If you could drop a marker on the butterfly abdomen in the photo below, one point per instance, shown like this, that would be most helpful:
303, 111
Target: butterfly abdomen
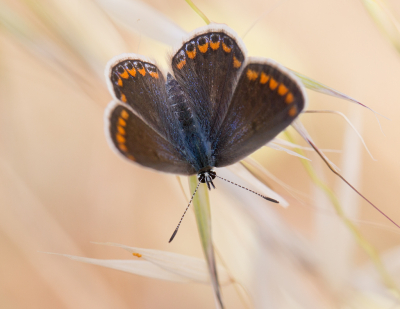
179, 107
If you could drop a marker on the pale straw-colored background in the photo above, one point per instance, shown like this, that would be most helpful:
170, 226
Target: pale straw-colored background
62, 187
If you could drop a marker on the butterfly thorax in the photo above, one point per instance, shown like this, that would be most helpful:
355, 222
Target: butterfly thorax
188, 135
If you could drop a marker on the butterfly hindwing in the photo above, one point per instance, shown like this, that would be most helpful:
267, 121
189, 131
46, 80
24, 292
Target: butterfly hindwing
207, 67
132, 138
267, 99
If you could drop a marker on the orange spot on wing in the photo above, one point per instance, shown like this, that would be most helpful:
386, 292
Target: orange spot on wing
120, 138
203, 48
226, 49
142, 71
122, 147
191, 54
264, 78
215, 45
120, 82
293, 111
124, 114
289, 98
123, 98
124, 74
154, 74
132, 72
121, 122
282, 89
251, 75
137, 254
236, 63
121, 130
273, 84
181, 64
130, 157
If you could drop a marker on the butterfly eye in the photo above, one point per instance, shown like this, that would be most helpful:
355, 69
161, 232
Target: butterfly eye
201, 178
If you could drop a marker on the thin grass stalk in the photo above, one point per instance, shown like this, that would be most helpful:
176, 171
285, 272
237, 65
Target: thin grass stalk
363, 243
201, 204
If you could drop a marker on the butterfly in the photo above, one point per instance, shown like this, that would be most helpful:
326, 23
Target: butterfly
215, 107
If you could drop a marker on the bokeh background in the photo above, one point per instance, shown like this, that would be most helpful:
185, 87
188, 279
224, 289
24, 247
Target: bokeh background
62, 187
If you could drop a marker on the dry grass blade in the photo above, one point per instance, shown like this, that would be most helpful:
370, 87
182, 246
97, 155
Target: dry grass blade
158, 264
366, 245
296, 146
385, 20
186, 266
141, 268
288, 151
144, 19
198, 11
319, 87
349, 123
300, 129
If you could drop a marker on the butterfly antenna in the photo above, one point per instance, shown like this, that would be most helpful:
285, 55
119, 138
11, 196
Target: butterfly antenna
264, 197
180, 221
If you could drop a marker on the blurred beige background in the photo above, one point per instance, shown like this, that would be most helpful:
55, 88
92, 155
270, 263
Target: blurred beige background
62, 187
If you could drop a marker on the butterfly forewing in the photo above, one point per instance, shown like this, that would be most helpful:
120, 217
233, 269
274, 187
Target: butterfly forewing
136, 141
141, 85
207, 67
267, 99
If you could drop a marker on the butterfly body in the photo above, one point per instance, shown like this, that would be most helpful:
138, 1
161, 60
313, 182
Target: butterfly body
215, 107
195, 144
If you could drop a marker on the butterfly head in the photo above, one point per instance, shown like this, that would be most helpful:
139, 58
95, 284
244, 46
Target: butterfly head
207, 177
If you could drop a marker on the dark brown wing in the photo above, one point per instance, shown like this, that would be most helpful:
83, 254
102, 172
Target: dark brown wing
267, 99
137, 82
130, 137
207, 67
